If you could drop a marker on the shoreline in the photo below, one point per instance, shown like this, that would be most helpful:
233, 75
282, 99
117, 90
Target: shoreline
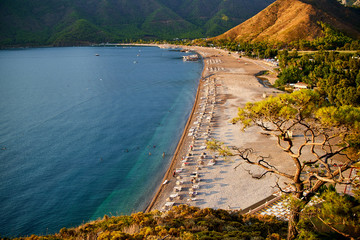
199, 177
181, 142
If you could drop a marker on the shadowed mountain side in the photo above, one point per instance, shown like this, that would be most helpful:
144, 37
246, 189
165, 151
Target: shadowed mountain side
289, 20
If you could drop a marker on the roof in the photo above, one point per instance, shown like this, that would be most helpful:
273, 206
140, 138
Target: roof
301, 85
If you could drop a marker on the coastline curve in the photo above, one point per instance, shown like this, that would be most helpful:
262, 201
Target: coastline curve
181, 142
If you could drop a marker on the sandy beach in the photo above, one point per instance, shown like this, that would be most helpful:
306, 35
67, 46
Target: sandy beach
199, 177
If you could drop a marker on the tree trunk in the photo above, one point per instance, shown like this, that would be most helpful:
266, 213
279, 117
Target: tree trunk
293, 221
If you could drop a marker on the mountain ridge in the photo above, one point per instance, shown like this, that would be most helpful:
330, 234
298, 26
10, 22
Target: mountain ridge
292, 20
41, 22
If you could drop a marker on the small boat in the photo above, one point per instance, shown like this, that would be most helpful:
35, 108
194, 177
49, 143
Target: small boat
97, 55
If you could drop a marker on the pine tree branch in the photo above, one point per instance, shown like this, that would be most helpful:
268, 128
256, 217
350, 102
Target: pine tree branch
335, 229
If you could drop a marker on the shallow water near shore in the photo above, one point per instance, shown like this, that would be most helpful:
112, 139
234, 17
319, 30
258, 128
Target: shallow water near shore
83, 135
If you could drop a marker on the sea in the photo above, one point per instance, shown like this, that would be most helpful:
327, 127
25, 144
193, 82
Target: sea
87, 131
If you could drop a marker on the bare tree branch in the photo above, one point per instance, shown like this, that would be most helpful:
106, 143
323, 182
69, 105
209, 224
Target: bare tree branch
280, 188
244, 154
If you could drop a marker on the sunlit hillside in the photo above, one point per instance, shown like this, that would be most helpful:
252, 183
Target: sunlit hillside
289, 20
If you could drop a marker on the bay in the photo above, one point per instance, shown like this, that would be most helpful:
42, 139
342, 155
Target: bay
83, 135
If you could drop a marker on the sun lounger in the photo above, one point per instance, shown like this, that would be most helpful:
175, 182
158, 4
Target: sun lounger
174, 195
191, 199
179, 182
169, 204
211, 162
194, 175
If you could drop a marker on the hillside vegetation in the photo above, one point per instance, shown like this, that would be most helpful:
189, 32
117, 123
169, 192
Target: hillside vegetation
335, 75
292, 20
76, 22
181, 222
190, 223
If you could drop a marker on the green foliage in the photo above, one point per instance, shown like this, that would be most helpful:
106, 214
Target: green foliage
330, 131
219, 147
291, 74
332, 39
335, 217
79, 33
356, 183
53, 22
256, 49
335, 75
310, 107
217, 23
281, 108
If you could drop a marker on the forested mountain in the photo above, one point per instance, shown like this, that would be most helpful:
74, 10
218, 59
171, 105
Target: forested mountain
293, 20
72, 22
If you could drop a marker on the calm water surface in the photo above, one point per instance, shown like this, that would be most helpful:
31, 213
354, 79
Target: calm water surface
76, 131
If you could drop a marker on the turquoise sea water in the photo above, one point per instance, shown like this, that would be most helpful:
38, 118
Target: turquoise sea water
76, 131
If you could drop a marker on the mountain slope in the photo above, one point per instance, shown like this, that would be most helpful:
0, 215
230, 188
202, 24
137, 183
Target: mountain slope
289, 20
46, 22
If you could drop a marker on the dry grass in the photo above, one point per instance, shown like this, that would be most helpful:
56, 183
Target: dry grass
132, 229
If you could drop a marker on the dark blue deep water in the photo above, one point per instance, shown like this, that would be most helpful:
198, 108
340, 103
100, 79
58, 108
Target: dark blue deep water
76, 131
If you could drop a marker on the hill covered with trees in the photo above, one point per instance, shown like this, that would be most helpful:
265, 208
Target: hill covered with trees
76, 22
